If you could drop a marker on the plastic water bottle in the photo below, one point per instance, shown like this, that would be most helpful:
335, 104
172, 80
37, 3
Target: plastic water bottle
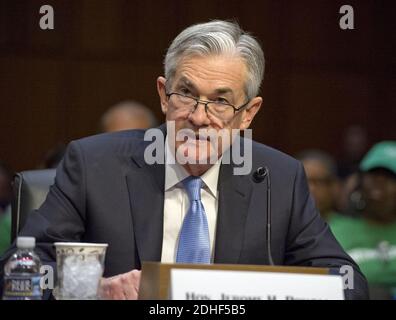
22, 272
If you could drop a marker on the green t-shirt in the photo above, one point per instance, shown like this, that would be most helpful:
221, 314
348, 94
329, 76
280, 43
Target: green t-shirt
5, 231
373, 247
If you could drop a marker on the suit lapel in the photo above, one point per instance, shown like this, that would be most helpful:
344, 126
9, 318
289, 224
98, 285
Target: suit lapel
234, 198
146, 195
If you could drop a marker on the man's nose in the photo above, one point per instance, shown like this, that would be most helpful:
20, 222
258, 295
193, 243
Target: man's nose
199, 117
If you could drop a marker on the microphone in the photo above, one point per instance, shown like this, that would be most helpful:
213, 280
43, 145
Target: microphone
258, 176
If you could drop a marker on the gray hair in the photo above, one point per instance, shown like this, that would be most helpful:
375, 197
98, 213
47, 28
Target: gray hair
218, 37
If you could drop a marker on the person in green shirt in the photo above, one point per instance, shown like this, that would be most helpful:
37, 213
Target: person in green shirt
6, 176
5, 230
370, 239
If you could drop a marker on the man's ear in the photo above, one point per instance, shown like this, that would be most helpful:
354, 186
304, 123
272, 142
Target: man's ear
161, 81
250, 112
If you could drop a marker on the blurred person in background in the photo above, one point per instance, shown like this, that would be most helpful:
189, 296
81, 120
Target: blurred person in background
321, 171
355, 145
349, 200
5, 187
127, 115
5, 206
370, 239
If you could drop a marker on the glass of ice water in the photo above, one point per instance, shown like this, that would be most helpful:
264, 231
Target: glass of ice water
80, 267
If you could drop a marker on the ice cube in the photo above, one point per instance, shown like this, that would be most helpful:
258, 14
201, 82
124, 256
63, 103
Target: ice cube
81, 276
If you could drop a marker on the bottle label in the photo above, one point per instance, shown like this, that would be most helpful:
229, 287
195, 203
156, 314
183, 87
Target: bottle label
22, 287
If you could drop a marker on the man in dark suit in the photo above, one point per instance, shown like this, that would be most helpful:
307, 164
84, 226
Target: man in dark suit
198, 211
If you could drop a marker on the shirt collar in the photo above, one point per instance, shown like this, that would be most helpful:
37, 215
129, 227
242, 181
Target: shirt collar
175, 173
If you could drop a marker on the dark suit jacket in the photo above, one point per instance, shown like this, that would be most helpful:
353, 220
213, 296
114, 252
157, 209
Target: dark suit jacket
105, 192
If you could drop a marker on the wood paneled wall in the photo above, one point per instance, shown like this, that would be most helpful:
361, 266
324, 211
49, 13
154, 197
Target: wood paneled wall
54, 85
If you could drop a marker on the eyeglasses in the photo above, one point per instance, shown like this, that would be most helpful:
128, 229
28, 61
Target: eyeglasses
221, 110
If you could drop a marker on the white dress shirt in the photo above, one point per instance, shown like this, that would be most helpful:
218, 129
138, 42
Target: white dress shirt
176, 204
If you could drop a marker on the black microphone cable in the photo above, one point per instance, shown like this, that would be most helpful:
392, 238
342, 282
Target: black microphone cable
259, 175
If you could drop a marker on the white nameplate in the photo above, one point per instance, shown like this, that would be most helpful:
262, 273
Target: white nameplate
187, 284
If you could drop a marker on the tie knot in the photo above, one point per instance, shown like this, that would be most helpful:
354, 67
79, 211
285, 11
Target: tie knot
193, 187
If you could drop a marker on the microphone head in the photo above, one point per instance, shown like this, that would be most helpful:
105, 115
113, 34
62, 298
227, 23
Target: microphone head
260, 174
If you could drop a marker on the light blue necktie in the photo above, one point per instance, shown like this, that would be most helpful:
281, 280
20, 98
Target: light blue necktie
194, 243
